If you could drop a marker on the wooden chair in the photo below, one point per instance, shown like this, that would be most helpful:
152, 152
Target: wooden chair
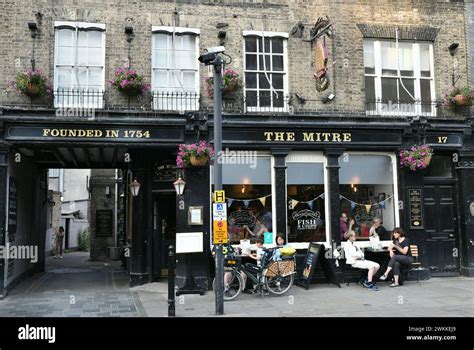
415, 265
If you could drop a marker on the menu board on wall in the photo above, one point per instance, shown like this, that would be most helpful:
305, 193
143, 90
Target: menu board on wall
416, 207
103, 222
12, 206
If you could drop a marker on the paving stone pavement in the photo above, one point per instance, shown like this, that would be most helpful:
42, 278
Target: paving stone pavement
74, 287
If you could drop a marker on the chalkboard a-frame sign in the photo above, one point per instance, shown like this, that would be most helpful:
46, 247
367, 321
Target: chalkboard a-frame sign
313, 255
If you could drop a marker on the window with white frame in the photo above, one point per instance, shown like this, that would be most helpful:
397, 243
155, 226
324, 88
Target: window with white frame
266, 80
175, 76
79, 61
399, 77
53, 172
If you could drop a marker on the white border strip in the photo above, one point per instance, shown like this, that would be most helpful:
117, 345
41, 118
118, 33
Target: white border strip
175, 29
269, 34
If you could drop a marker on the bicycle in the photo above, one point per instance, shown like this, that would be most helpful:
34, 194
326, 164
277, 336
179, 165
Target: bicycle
276, 277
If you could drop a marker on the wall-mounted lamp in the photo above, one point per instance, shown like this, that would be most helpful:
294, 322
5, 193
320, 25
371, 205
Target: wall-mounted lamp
452, 48
33, 27
135, 187
107, 191
129, 32
179, 186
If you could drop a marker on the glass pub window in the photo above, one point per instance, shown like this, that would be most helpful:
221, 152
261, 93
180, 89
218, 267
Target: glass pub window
305, 202
440, 166
367, 190
249, 203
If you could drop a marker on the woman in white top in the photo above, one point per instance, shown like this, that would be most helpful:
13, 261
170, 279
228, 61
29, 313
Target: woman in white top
355, 257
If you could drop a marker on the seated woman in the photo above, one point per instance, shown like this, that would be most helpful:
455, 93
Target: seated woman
355, 257
400, 254
258, 229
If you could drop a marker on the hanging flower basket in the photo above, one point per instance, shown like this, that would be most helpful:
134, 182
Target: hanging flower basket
230, 82
196, 154
31, 83
458, 97
416, 157
129, 82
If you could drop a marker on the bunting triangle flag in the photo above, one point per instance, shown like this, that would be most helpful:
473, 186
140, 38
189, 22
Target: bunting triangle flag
382, 204
321, 196
263, 200
230, 201
367, 207
246, 203
294, 203
310, 204
353, 205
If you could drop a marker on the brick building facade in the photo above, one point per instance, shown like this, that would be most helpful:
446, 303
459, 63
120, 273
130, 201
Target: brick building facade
380, 54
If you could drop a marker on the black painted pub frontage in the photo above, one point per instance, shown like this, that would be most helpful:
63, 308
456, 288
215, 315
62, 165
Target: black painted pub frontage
292, 174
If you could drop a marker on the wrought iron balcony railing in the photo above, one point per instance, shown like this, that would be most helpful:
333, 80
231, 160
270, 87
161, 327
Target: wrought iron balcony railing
175, 101
410, 108
79, 98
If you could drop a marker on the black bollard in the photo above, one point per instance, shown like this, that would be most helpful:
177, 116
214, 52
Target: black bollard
171, 273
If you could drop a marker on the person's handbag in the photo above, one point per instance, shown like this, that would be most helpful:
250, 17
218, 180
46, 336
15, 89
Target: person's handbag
287, 251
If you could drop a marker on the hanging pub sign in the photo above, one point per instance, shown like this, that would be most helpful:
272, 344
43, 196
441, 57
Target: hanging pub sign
415, 208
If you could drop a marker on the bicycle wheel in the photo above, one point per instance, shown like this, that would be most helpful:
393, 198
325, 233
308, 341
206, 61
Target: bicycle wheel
233, 289
279, 284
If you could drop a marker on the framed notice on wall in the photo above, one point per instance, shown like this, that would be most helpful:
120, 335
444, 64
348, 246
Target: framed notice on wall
415, 208
12, 205
104, 222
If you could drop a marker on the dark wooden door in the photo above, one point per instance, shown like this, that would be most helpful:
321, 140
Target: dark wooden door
440, 223
164, 230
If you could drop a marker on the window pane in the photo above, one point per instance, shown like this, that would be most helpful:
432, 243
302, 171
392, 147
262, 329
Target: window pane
94, 56
251, 80
95, 76
251, 44
277, 81
277, 63
425, 61
246, 184
161, 58
263, 82
64, 77
65, 55
189, 80
370, 93
189, 42
65, 37
277, 45
278, 99
389, 89
405, 57
389, 58
369, 61
251, 98
81, 78
251, 62
440, 166
264, 98
161, 41
267, 63
182, 59
161, 78
367, 180
267, 44
305, 207
426, 100
404, 95
94, 39
82, 38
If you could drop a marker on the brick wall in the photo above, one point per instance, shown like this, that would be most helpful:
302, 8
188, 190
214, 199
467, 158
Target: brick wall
347, 74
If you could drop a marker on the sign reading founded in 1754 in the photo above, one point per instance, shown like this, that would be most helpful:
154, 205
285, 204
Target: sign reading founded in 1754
415, 207
103, 222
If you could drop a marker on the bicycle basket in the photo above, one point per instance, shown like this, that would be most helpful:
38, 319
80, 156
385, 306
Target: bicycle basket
282, 268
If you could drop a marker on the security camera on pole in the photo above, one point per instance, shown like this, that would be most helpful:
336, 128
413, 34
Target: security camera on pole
213, 57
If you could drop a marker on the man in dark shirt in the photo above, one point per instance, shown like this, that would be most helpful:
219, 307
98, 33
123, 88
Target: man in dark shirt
379, 230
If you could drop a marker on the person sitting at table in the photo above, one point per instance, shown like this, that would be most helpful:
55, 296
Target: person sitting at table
355, 257
377, 230
258, 255
400, 254
258, 229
